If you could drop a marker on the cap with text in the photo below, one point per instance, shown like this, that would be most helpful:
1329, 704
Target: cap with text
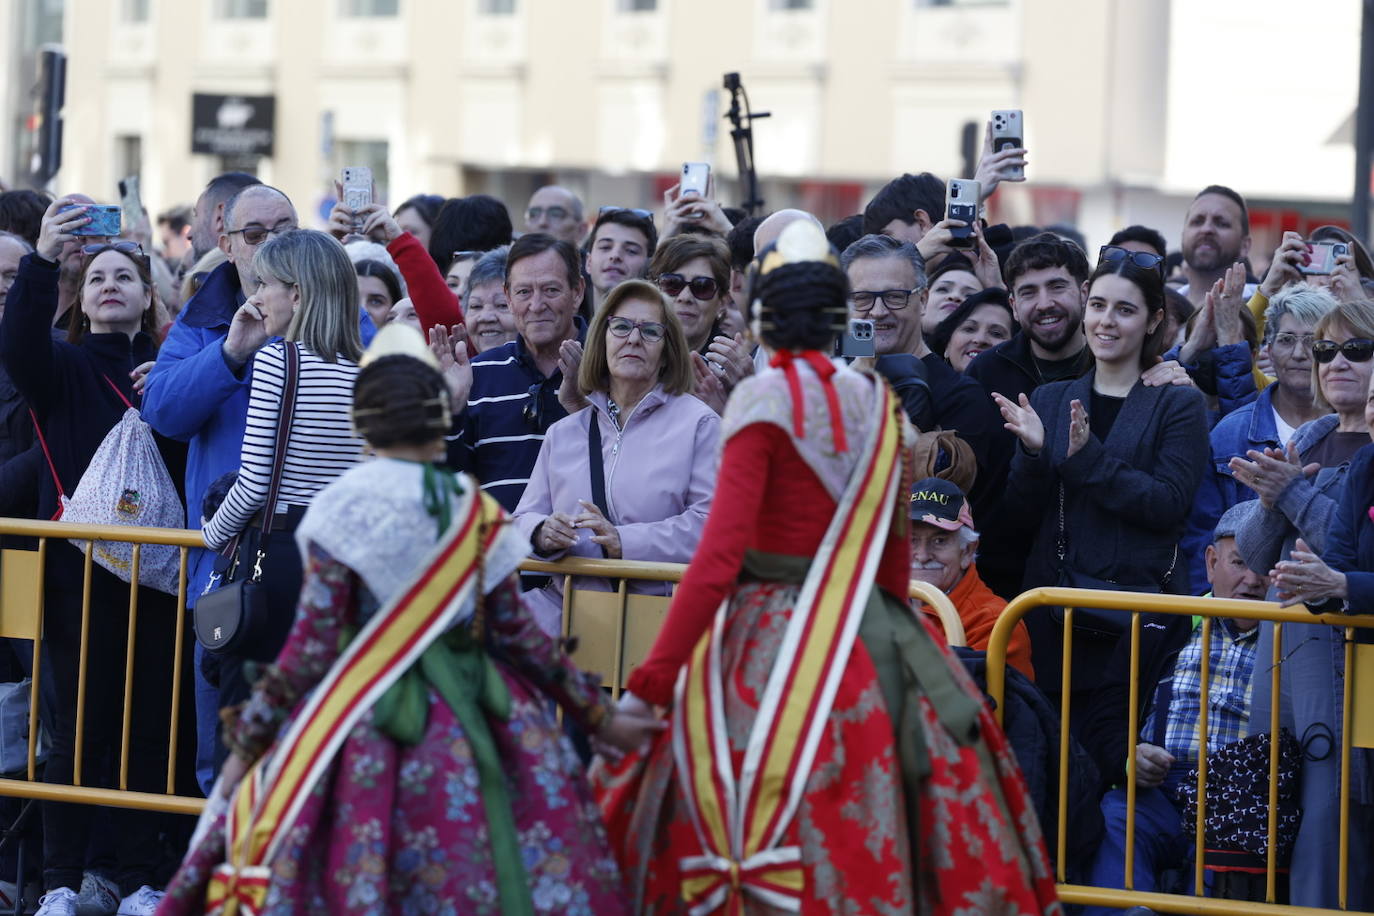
940, 503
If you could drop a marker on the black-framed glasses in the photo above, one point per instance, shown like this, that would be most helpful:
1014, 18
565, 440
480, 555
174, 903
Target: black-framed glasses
894, 300
553, 213
703, 288
256, 235
534, 407
634, 211
650, 331
1113, 253
1356, 350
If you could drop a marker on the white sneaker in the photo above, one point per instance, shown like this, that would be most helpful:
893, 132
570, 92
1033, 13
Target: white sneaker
142, 902
99, 896
61, 902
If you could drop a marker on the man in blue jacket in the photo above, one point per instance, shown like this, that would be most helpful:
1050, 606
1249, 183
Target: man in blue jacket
198, 392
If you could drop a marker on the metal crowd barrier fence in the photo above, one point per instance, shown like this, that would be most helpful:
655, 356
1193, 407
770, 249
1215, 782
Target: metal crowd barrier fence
615, 631
1207, 609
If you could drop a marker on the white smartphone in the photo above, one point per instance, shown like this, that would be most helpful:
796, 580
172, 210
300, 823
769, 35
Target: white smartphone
357, 187
1008, 132
695, 177
962, 196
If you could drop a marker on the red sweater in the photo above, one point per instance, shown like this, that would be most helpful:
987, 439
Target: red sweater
434, 302
768, 499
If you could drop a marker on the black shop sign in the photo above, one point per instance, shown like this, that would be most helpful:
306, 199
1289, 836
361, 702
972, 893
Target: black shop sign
233, 125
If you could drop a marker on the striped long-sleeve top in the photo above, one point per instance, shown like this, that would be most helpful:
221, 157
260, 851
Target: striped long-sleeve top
321, 444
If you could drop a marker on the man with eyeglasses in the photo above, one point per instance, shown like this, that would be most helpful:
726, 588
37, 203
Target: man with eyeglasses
1270, 420
556, 211
620, 247
512, 390
887, 282
198, 391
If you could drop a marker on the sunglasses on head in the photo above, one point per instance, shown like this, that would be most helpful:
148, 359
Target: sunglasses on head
635, 211
703, 288
1113, 253
1355, 350
123, 246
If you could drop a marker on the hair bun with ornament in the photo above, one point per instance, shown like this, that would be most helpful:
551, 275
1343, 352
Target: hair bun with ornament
798, 291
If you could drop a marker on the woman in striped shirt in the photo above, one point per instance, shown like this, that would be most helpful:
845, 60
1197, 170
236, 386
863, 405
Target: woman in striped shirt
308, 295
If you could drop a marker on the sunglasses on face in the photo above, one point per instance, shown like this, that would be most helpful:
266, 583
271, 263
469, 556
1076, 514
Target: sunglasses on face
649, 331
1113, 253
1355, 350
703, 288
256, 235
533, 214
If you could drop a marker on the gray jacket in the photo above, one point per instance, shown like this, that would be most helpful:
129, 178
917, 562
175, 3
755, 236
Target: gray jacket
1304, 509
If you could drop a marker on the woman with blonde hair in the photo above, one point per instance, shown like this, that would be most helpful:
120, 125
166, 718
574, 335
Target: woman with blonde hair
604, 483
307, 295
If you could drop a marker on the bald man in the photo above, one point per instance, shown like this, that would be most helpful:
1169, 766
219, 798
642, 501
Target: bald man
557, 212
768, 231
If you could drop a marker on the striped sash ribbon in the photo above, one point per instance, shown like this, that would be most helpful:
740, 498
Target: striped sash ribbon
741, 819
275, 789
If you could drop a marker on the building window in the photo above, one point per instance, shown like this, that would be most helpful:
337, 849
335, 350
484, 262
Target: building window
133, 11
496, 7
241, 9
369, 9
128, 158
791, 5
637, 6
369, 153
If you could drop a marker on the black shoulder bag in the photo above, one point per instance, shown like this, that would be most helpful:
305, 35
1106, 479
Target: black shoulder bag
1097, 623
232, 616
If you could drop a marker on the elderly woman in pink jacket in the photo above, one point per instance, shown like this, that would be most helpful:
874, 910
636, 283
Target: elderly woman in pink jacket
630, 476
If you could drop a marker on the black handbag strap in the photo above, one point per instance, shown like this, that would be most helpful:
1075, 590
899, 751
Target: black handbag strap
1062, 544
284, 417
596, 463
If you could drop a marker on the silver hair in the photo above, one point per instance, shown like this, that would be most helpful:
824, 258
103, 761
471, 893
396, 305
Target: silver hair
23, 242
967, 536
490, 268
1305, 302
364, 250
885, 246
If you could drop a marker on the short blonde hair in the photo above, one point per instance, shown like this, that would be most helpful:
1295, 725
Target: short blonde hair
675, 365
316, 264
1357, 318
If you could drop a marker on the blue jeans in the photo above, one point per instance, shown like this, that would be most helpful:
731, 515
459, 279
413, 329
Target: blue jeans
1160, 843
207, 725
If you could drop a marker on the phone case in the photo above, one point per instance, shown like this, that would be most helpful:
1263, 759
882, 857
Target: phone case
1008, 132
695, 176
961, 203
104, 221
357, 188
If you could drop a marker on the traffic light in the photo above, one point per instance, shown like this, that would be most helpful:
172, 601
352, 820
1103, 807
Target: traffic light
49, 95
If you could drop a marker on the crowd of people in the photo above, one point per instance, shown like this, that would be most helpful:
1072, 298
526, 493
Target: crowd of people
618, 383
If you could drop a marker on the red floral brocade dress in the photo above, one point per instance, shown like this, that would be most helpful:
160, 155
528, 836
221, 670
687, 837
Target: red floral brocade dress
914, 803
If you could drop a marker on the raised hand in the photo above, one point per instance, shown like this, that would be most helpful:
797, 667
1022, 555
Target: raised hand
569, 362
994, 168
57, 229
247, 335
1286, 265
1269, 472
450, 348
1023, 422
1226, 299
1079, 430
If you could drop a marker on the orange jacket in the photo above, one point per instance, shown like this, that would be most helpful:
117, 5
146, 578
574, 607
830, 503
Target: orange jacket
979, 609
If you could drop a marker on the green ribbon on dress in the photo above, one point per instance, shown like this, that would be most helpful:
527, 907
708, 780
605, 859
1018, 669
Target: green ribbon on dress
463, 674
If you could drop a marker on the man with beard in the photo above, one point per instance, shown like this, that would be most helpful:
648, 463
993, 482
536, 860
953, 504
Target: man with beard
1216, 234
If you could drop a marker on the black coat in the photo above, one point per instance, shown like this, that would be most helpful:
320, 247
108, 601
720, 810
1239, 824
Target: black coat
1126, 500
71, 387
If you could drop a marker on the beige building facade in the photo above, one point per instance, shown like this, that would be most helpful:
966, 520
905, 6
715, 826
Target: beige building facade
1130, 105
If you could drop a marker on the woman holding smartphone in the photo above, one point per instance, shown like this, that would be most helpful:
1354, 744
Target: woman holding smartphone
1107, 467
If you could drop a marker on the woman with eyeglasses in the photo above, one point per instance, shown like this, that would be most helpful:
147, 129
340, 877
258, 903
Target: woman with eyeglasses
1300, 489
79, 388
1107, 467
630, 476
693, 271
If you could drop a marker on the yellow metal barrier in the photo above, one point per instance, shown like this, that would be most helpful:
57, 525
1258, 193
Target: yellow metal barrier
1207, 608
631, 620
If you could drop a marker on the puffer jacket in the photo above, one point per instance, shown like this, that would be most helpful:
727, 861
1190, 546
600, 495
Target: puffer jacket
660, 469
